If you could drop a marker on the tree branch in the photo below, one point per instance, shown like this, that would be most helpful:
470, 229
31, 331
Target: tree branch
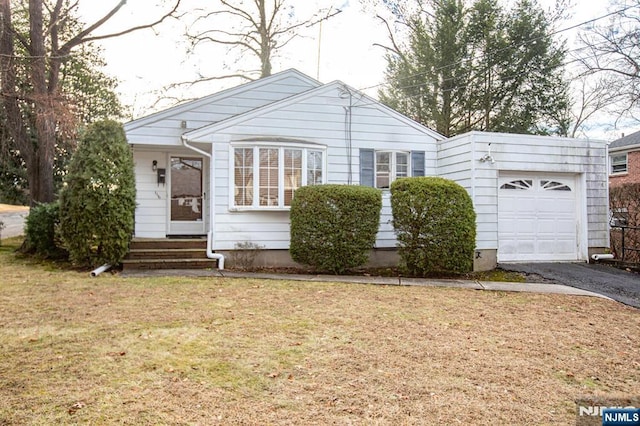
82, 37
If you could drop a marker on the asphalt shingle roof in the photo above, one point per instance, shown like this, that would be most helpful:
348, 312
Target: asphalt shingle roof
629, 140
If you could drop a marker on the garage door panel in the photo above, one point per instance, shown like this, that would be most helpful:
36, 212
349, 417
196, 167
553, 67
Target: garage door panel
526, 246
557, 207
556, 246
537, 220
525, 226
549, 226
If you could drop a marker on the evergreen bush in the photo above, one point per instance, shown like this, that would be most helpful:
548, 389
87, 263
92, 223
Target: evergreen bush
435, 225
97, 202
333, 227
41, 236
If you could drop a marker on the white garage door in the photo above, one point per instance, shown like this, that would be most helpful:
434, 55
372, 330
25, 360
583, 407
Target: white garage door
537, 217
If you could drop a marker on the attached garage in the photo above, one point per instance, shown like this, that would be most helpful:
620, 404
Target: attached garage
537, 198
538, 217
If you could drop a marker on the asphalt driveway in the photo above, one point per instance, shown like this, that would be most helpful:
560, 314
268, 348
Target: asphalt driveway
618, 284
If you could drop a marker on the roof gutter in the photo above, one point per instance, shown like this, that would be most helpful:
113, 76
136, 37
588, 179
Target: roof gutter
634, 147
210, 254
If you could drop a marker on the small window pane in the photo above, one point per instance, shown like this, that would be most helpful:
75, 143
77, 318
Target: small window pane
550, 185
314, 168
243, 176
383, 169
268, 187
402, 164
292, 173
518, 184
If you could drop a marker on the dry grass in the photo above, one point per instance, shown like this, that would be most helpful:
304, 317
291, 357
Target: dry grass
112, 350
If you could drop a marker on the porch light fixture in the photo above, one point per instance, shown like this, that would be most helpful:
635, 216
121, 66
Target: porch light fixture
154, 165
488, 157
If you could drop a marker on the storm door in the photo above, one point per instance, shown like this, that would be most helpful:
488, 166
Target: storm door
186, 211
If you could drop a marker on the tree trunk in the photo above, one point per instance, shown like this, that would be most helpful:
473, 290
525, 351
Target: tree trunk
265, 42
43, 101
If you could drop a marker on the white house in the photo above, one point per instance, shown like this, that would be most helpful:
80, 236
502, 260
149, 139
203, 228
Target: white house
227, 165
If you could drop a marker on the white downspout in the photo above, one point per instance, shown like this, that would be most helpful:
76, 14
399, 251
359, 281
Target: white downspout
100, 270
210, 254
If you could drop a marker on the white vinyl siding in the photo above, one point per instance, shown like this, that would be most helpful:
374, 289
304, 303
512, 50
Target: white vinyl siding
316, 123
166, 127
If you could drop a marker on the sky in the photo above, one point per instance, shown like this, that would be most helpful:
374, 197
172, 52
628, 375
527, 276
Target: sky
344, 49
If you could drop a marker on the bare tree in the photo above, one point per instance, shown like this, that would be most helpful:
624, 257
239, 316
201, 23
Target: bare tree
611, 52
258, 28
36, 113
591, 95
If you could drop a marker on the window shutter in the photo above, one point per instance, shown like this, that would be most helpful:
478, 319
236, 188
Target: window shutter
367, 173
417, 163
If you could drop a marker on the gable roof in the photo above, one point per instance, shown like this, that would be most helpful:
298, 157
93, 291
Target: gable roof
317, 91
626, 142
219, 96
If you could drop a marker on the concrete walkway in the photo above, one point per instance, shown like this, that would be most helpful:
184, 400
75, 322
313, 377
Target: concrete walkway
398, 281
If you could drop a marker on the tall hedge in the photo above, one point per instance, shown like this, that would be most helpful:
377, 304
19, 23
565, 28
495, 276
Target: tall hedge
435, 224
333, 227
97, 202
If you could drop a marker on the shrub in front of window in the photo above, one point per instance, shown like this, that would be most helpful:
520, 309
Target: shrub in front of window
41, 231
333, 227
435, 225
98, 200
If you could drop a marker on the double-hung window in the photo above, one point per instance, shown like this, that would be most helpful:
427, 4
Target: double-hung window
380, 168
266, 177
619, 163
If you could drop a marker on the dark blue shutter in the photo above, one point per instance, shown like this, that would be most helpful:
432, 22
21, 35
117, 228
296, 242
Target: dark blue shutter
367, 173
417, 163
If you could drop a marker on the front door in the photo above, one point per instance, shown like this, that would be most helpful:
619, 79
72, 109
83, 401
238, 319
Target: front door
186, 211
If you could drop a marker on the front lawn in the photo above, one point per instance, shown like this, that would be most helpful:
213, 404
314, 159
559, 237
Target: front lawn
114, 350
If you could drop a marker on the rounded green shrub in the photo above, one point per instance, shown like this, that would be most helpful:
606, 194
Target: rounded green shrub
41, 226
333, 227
435, 225
97, 202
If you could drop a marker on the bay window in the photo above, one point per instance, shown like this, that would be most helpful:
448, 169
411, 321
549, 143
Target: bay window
274, 174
